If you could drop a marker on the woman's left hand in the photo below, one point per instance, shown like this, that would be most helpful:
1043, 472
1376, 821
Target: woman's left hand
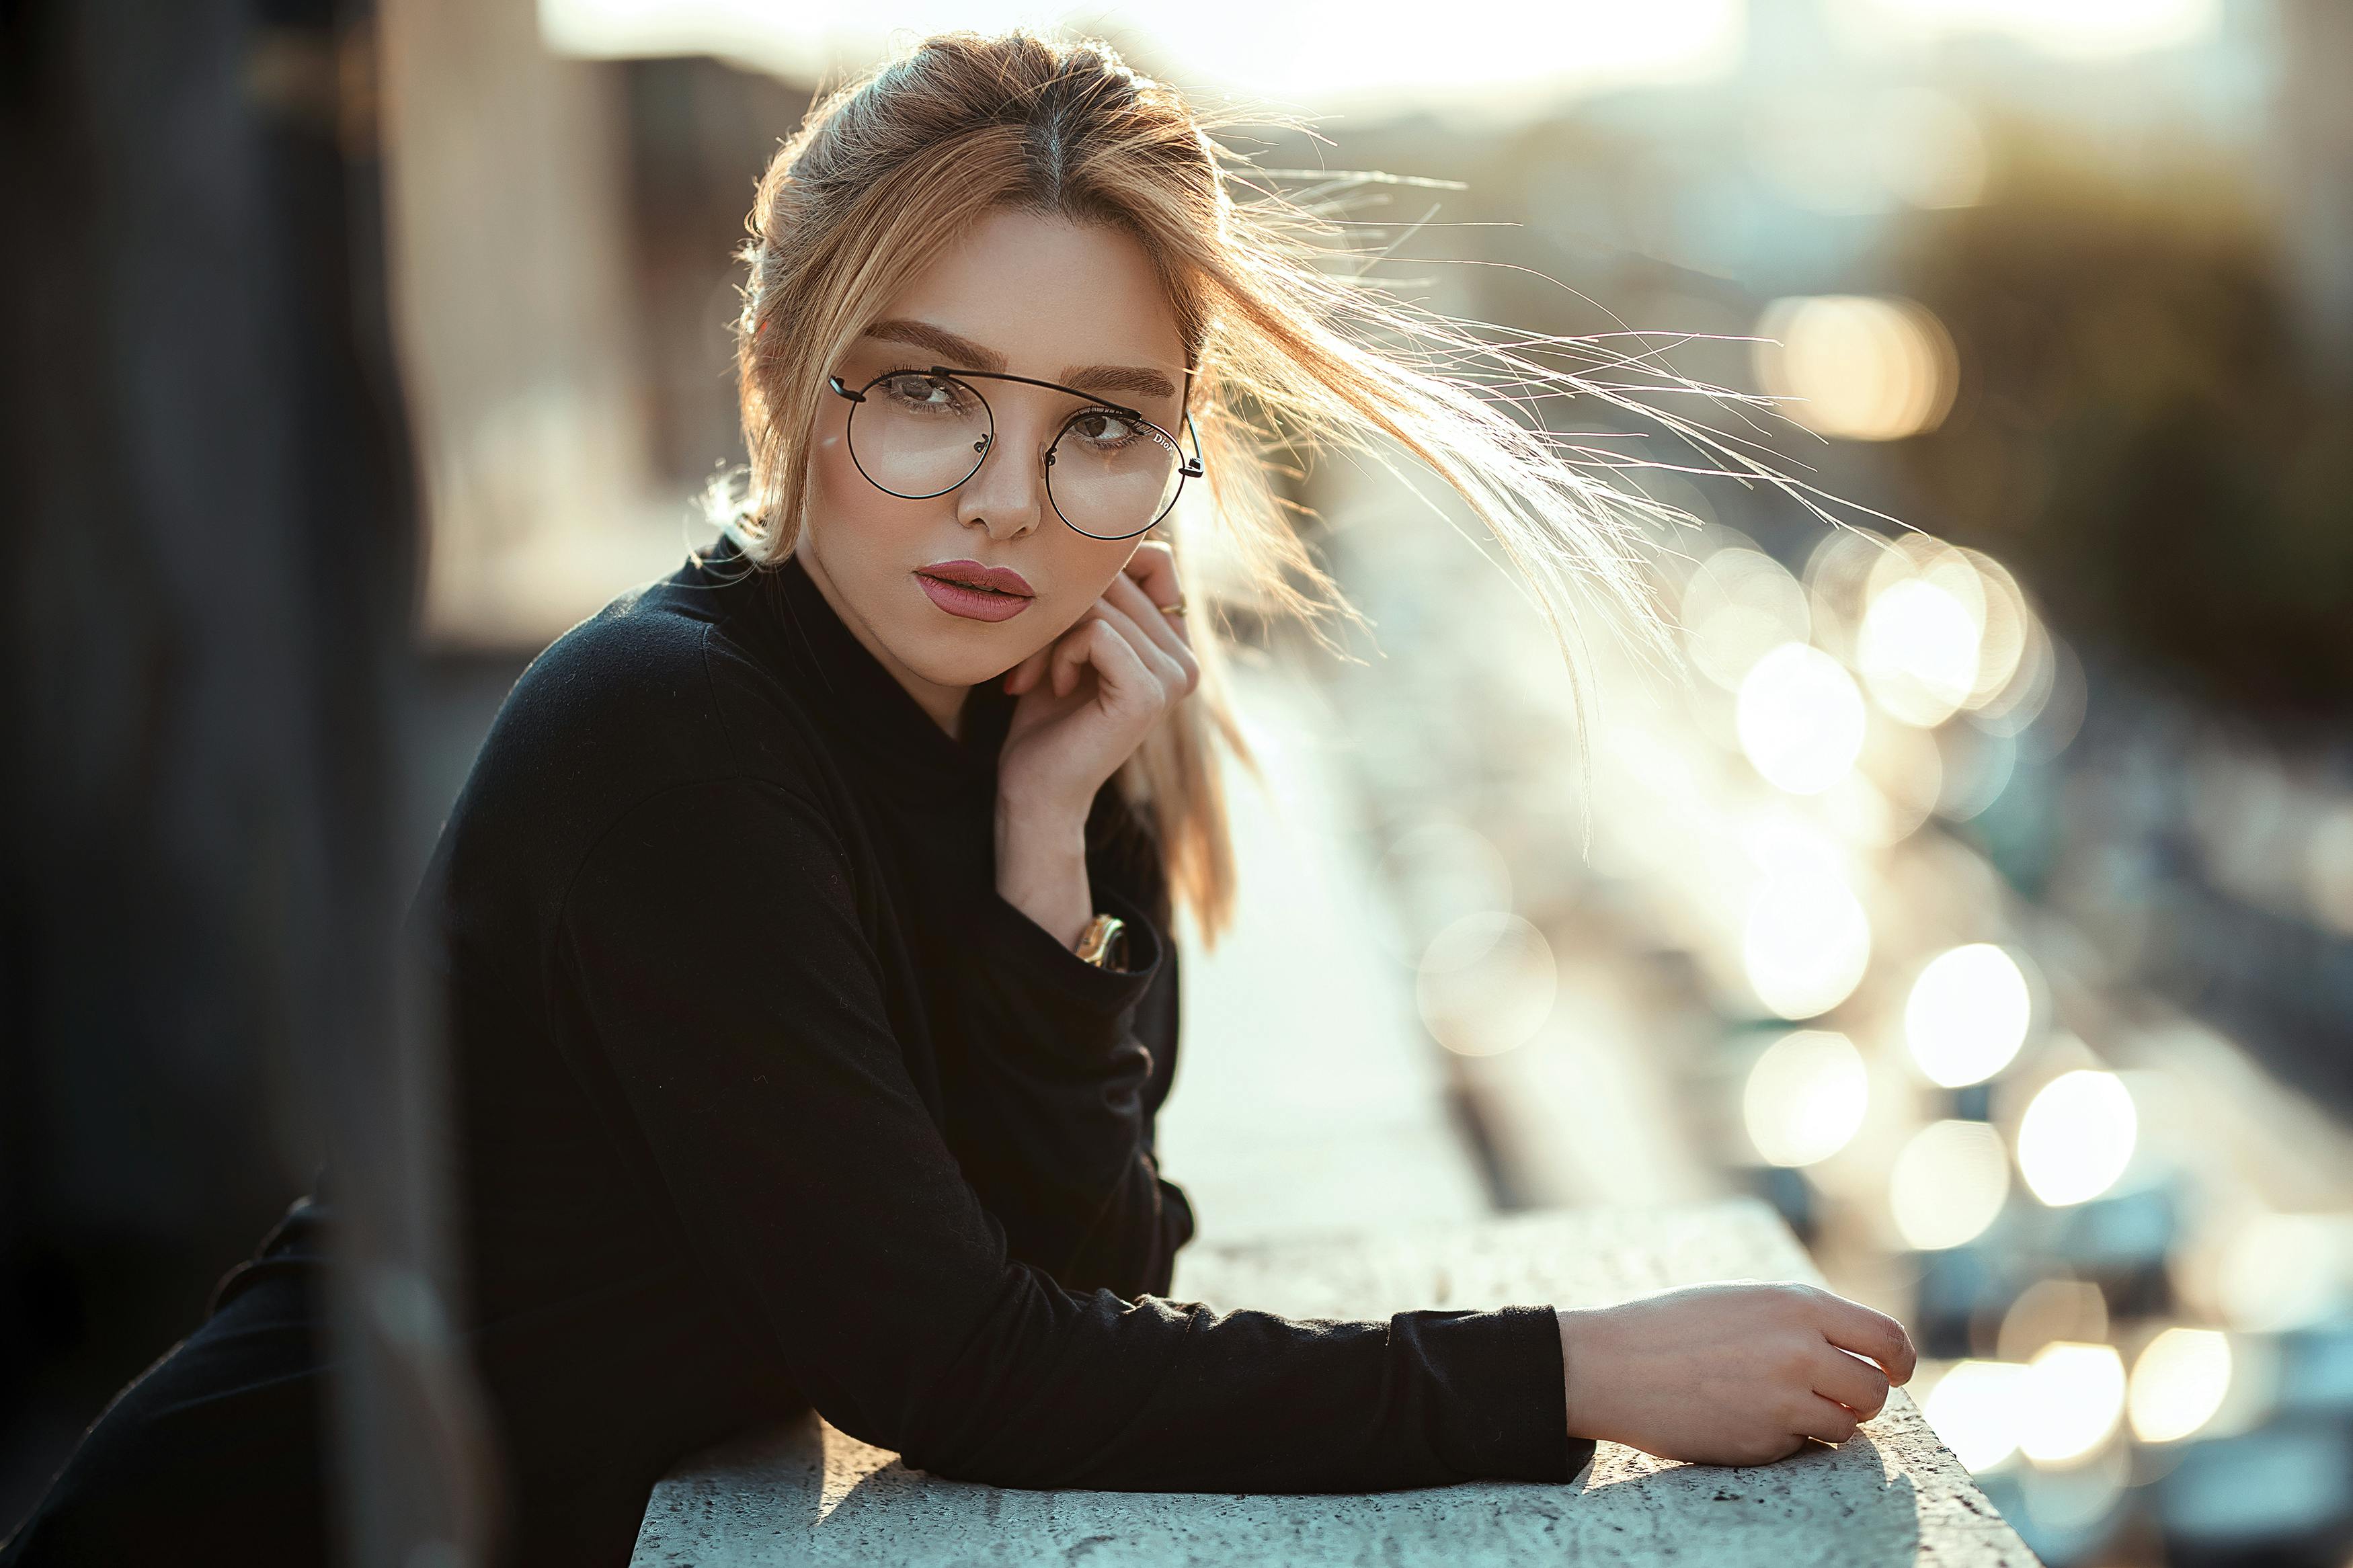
1090, 697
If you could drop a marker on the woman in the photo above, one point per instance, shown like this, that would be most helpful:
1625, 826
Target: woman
805, 919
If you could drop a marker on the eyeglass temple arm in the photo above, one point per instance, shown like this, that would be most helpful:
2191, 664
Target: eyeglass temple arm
1189, 466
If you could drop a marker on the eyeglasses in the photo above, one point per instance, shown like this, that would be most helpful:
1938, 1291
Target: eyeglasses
1110, 473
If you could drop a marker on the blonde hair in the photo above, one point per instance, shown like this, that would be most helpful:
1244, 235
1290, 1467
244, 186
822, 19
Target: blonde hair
888, 169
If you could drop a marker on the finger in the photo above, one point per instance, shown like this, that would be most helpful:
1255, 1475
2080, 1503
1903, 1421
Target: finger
1075, 651
1068, 655
1824, 1418
1175, 668
1014, 678
1154, 661
1153, 568
1167, 631
1854, 1383
1851, 1325
1025, 675
1118, 666
1138, 598
1148, 651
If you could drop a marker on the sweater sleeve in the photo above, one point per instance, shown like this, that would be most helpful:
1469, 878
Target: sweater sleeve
1059, 1144
713, 952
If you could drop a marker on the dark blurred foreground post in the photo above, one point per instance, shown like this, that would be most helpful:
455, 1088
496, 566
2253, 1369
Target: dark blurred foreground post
210, 537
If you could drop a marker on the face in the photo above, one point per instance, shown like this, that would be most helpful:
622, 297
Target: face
1032, 296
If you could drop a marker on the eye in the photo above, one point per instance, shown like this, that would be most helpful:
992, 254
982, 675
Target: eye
917, 391
1104, 429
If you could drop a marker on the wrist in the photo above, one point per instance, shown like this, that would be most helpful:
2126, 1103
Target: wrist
1041, 870
1581, 1363
1040, 813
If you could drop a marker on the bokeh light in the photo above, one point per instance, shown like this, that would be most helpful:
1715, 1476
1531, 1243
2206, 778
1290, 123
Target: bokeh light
1974, 1408
1806, 946
2178, 1382
2282, 1271
1864, 368
1738, 605
1800, 719
1968, 1014
1486, 984
2058, 1308
2076, 1137
1806, 1097
2005, 626
1947, 1184
2031, 684
1919, 650
1442, 870
2070, 1401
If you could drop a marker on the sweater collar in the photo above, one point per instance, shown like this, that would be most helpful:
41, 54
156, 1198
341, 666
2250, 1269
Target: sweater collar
884, 731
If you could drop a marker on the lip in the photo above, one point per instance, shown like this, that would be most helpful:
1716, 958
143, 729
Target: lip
977, 603
963, 571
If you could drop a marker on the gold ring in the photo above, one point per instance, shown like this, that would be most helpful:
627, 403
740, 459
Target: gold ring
1175, 609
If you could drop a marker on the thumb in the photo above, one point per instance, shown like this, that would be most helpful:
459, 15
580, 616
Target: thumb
1024, 675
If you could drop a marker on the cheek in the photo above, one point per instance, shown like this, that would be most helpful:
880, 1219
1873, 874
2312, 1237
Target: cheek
858, 523
837, 475
1089, 567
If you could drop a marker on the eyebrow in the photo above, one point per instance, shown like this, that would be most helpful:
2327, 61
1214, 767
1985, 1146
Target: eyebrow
954, 349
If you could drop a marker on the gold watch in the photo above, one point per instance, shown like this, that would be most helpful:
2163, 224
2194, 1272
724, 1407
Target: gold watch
1103, 942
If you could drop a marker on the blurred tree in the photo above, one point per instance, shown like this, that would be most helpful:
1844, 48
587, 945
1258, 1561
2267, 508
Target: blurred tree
2138, 429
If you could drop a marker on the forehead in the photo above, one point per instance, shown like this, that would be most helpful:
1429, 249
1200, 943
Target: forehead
1048, 294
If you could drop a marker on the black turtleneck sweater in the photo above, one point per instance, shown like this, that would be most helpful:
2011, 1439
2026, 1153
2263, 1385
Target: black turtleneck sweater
767, 1099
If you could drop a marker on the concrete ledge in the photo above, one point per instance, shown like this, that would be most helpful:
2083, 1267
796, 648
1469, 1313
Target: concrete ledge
806, 1494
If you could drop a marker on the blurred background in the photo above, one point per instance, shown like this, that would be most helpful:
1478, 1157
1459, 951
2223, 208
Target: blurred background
1978, 889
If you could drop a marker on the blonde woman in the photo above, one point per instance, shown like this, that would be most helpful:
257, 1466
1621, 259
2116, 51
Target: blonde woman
807, 918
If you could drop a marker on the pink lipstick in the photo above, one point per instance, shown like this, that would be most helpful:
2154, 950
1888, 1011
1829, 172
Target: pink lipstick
975, 591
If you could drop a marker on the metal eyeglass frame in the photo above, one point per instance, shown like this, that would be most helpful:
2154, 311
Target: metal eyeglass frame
1186, 467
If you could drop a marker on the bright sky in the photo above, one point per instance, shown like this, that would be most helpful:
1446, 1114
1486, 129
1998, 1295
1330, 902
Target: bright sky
1302, 53
1325, 55
2083, 27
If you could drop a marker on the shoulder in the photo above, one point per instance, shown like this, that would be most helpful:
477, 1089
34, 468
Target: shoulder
648, 698
640, 655
619, 704
658, 688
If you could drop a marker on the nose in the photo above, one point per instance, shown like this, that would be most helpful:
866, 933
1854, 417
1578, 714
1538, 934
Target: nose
1008, 495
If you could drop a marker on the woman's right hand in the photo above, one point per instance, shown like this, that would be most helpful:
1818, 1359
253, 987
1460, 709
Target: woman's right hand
1737, 1372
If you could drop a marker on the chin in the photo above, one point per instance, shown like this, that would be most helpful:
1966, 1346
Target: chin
955, 655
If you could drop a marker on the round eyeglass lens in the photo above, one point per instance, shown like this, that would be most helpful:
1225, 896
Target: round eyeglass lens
1110, 476
918, 436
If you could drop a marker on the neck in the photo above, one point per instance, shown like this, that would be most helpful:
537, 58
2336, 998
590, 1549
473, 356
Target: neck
944, 704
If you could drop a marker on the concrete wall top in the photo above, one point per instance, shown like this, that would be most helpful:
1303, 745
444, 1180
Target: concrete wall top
806, 1494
